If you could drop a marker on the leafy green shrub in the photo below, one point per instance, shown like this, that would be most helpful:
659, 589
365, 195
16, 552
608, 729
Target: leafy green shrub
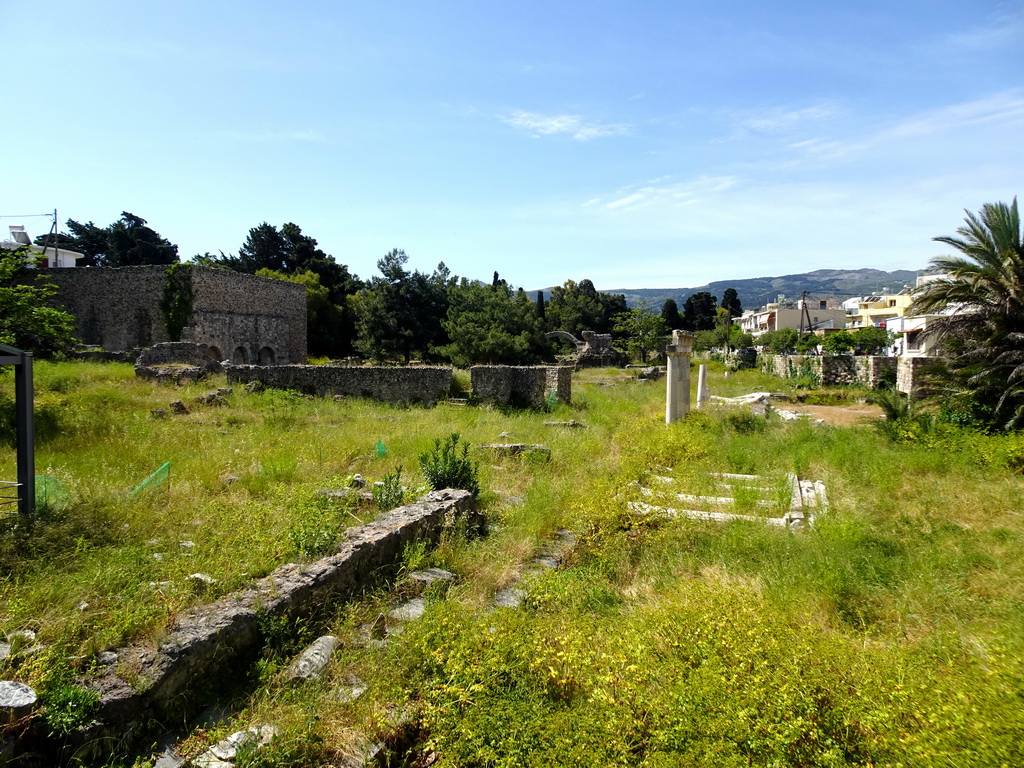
68, 705
389, 493
447, 467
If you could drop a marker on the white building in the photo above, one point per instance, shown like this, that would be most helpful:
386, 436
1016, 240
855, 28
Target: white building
51, 256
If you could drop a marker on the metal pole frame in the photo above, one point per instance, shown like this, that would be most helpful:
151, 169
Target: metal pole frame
25, 433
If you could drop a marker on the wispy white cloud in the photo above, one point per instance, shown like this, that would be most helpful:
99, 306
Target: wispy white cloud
674, 195
782, 119
538, 125
1006, 108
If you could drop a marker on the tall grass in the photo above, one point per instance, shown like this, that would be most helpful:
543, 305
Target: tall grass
889, 633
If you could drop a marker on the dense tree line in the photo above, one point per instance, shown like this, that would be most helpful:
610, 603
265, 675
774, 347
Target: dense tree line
404, 314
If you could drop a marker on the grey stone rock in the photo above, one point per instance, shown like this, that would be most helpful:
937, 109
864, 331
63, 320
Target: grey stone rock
410, 610
16, 700
254, 737
350, 690
200, 582
516, 449
158, 413
431, 576
312, 662
509, 597
106, 658
179, 408
168, 759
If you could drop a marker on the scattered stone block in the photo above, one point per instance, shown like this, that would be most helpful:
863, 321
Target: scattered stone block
16, 700
350, 690
200, 582
312, 662
178, 407
255, 737
430, 576
650, 374
572, 424
410, 610
516, 449
158, 413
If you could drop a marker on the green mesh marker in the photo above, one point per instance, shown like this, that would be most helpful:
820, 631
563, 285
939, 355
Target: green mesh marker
51, 493
382, 450
154, 480
552, 398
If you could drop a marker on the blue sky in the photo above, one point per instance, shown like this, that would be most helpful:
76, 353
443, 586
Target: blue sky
638, 144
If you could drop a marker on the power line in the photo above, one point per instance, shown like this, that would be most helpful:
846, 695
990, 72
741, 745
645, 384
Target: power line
28, 216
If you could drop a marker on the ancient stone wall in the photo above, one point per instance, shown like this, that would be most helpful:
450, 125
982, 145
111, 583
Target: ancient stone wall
420, 384
248, 319
116, 309
237, 317
208, 642
875, 369
525, 385
908, 374
837, 370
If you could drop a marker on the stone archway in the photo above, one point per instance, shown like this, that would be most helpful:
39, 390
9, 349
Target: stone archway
214, 351
267, 357
240, 356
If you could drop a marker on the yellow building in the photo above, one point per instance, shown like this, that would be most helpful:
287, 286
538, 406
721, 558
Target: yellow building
876, 310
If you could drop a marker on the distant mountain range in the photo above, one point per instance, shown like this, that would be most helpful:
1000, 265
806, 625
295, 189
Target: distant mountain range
754, 292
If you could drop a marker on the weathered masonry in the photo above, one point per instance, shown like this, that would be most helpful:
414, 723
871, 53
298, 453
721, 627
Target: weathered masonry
418, 384
140, 683
847, 369
525, 385
236, 317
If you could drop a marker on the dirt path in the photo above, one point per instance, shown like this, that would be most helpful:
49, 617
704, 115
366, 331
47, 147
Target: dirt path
837, 415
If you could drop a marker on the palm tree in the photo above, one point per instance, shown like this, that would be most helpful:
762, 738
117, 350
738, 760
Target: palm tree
983, 292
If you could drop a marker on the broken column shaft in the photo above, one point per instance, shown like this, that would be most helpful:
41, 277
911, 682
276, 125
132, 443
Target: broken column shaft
677, 386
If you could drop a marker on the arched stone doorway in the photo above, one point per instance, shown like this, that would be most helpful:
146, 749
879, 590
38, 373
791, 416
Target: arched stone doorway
240, 356
266, 356
214, 351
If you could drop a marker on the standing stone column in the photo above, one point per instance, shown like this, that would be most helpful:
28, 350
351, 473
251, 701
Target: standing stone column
702, 385
677, 382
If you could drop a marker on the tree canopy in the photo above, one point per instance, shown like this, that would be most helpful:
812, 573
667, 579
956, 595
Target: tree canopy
699, 312
27, 321
491, 324
576, 307
127, 242
642, 329
982, 290
670, 315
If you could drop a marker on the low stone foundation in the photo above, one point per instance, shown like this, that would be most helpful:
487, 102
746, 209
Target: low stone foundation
208, 642
526, 385
869, 370
420, 384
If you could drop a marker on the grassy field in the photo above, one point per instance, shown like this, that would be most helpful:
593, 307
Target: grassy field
889, 634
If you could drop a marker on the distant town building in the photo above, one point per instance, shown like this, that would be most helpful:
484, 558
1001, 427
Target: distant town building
818, 314
49, 256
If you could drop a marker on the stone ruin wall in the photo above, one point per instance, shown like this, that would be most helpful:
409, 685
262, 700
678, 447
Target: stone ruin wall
847, 369
420, 384
908, 374
528, 385
238, 317
116, 309
212, 642
264, 317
